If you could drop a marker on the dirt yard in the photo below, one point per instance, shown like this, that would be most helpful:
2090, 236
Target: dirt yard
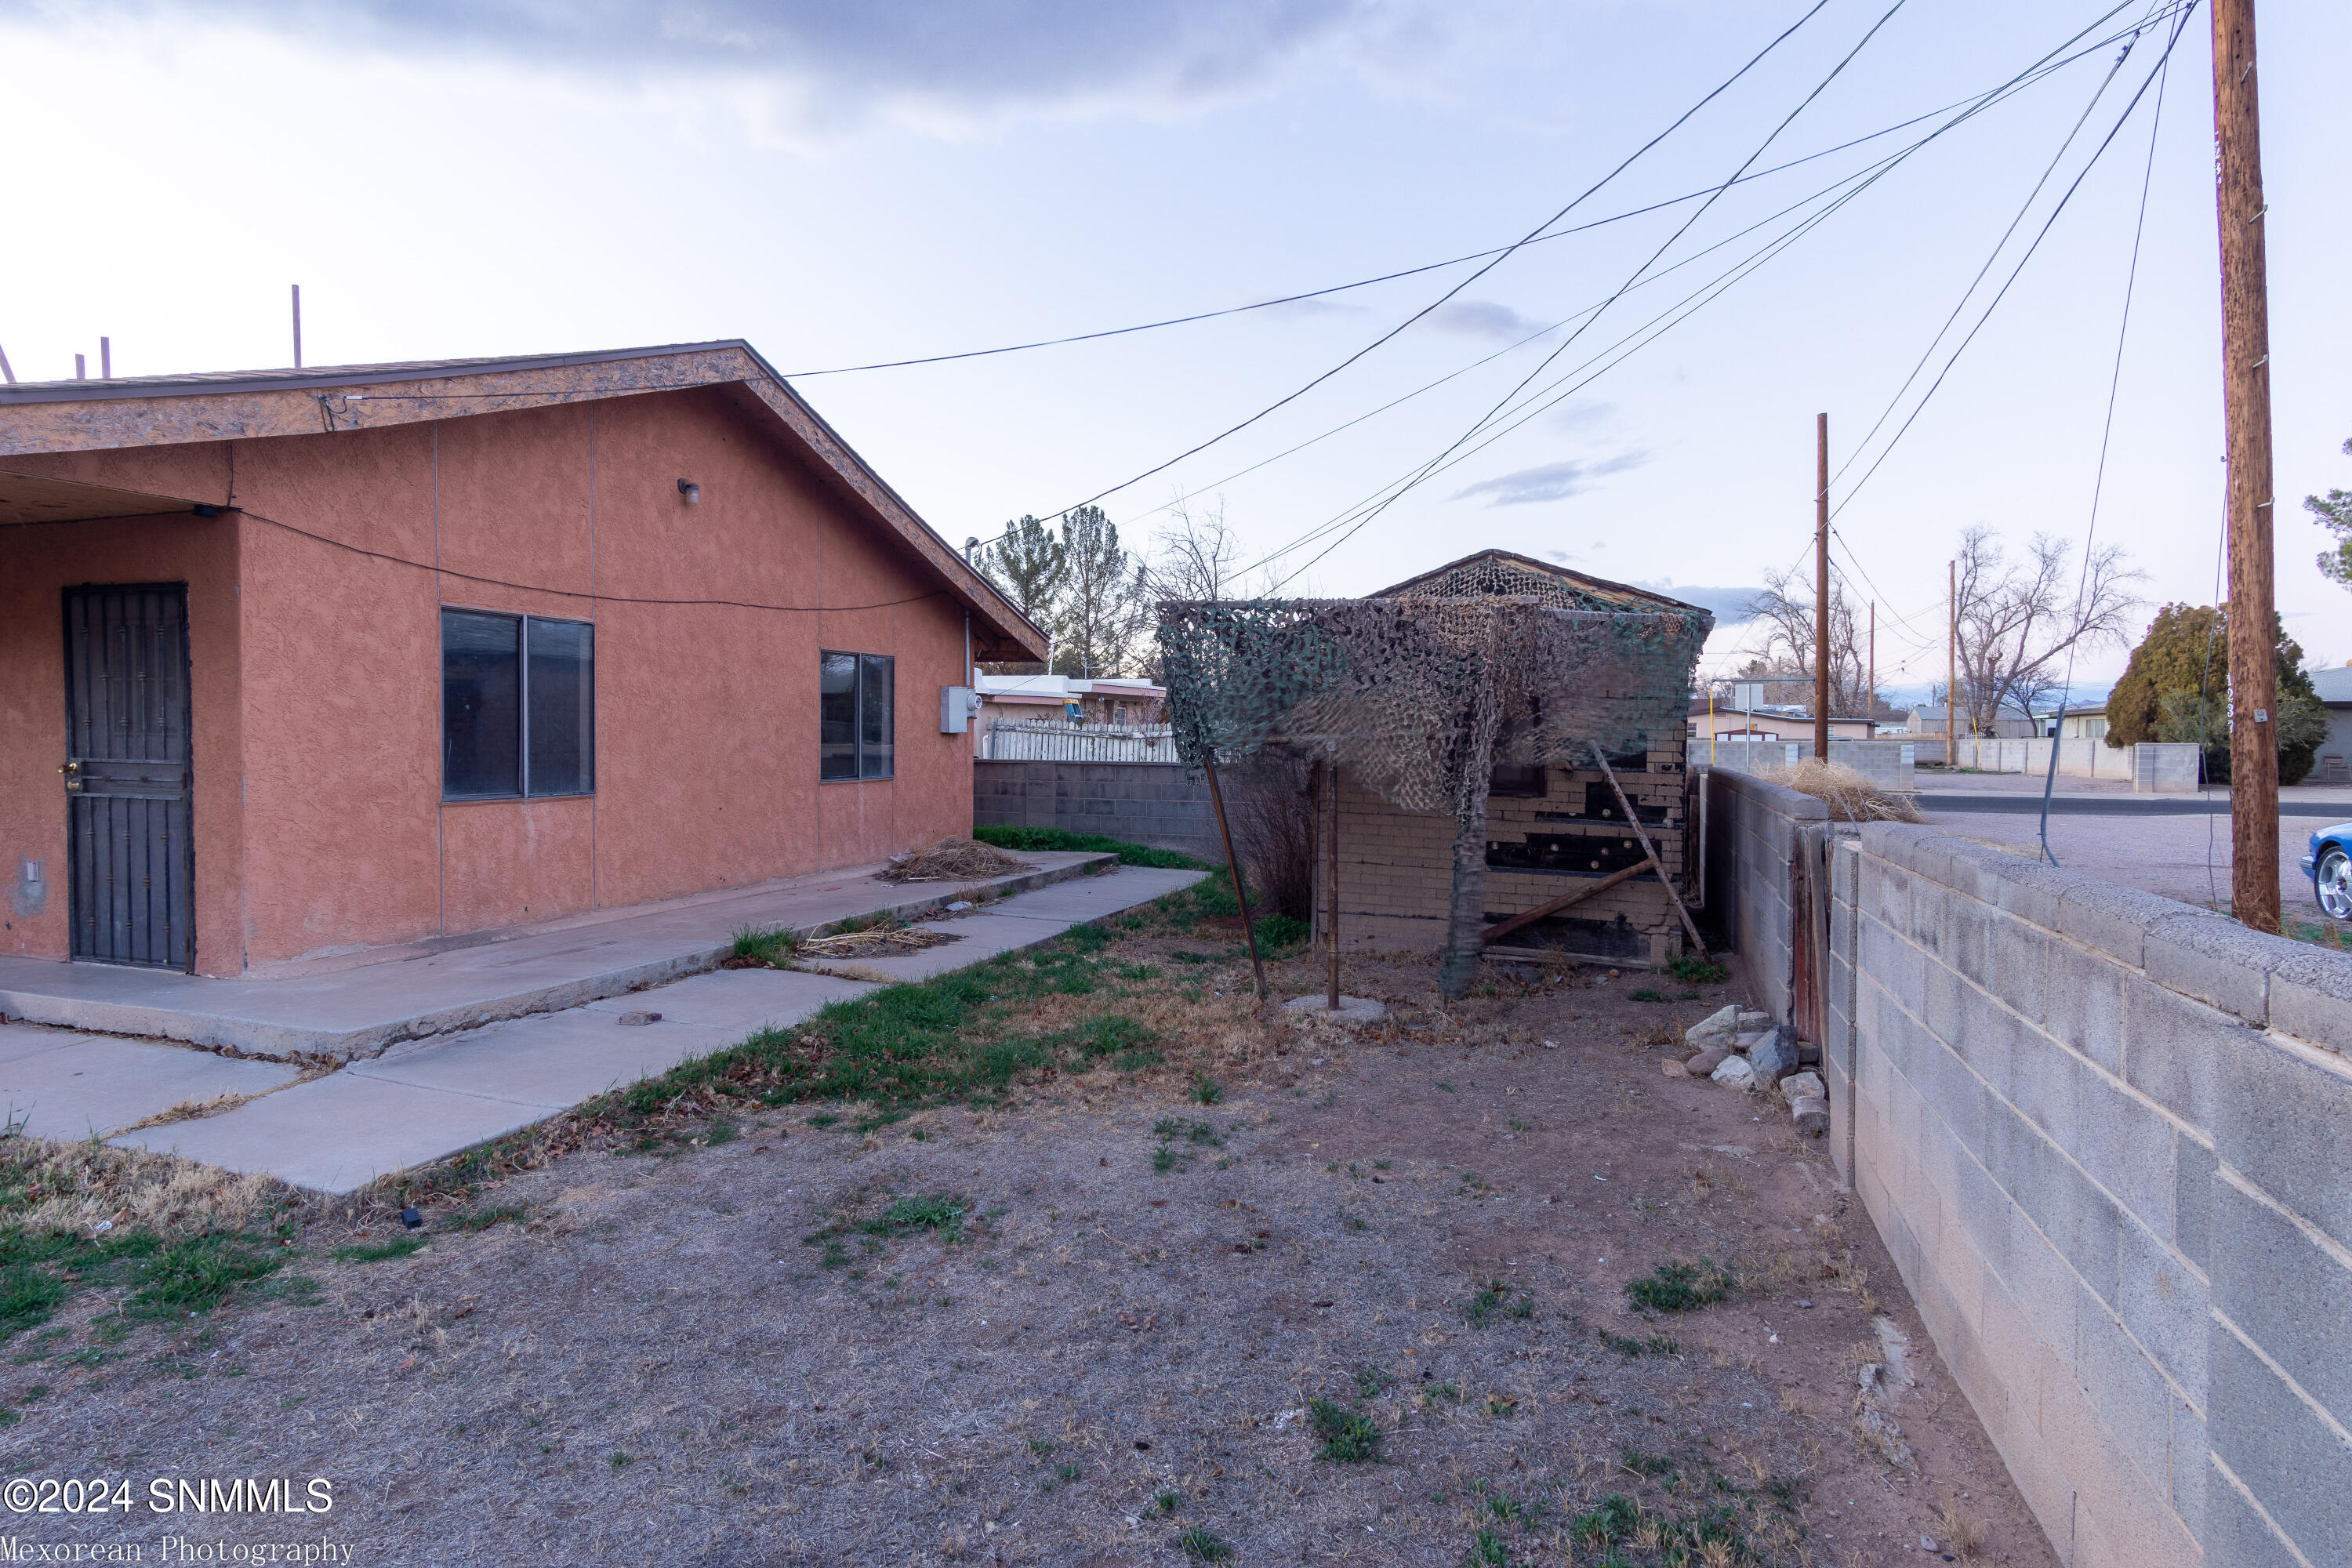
1110, 1318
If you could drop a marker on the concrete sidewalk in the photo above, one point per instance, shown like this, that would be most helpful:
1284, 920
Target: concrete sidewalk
421, 1100
358, 1010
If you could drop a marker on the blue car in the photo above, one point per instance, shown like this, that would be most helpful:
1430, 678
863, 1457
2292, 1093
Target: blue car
2329, 866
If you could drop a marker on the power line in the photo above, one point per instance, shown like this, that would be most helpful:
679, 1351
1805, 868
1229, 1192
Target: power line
2106, 431
1530, 408
2043, 233
1497, 261
1990, 257
1365, 282
1484, 419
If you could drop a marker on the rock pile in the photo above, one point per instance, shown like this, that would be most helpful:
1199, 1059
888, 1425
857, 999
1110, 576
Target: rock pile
1746, 1049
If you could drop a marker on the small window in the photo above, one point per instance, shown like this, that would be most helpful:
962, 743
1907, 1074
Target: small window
518, 706
855, 727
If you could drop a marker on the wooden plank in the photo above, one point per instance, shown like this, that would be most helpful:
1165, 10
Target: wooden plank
1504, 927
1634, 821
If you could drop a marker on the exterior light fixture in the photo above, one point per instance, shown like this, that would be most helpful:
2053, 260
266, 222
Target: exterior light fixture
690, 491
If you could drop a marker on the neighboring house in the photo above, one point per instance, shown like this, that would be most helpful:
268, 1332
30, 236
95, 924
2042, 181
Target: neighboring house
2334, 687
1778, 723
303, 662
1111, 701
2011, 723
2085, 722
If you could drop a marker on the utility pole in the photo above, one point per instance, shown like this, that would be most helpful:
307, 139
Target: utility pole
2246, 405
1821, 589
1952, 664
1872, 714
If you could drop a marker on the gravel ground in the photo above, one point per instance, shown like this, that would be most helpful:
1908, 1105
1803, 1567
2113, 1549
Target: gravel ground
1092, 1326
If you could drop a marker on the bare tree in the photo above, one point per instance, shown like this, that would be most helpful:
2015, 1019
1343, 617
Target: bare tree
1786, 608
2019, 618
1198, 557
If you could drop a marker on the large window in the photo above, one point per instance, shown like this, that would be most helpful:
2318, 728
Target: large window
518, 706
853, 719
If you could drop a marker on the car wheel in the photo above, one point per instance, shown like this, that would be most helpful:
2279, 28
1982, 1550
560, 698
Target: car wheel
2332, 879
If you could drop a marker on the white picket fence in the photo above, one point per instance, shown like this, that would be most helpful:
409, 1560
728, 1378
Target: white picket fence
1056, 740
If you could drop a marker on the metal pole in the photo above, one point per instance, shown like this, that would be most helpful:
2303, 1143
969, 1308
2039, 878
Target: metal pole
1822, 590
106, 359
298, 325
1952, 664
1233, 869
2246, 405
1331, 874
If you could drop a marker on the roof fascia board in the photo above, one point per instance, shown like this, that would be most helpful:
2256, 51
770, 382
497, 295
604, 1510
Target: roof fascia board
91, 415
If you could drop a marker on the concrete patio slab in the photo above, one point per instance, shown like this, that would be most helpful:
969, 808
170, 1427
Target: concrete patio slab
421, 1100
337, 1134
357, 1012
739, 1000
553, 1060
18, 1041
80, 1086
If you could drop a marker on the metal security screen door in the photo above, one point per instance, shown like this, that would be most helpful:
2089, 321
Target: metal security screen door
130, 862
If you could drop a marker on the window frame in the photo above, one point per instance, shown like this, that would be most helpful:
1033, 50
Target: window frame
860, 664
522, 708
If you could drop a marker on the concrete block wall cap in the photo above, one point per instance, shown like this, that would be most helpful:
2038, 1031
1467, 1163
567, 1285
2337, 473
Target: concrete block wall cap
2217, 960
2112, 919
2311, 997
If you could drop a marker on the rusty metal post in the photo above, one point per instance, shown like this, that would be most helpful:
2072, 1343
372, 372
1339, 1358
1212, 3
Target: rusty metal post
1331, 873
1233, 869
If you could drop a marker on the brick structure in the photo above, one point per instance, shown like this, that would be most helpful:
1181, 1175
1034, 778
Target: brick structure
1548, 828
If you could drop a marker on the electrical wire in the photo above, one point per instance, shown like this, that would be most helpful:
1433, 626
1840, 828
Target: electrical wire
1551, 396
2106, 431
2043, 234
602, 599
1495, 261
1635, 276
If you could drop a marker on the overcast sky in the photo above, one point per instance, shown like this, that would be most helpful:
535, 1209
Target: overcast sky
844, 184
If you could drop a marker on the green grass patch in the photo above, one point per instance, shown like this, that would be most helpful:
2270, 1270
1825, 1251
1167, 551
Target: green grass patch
1350, 1436
769, 945
1201, 1545
1278, 934
379, 1251
1654, 1345
1647, 994
1006, 836
1693, 969
1680, 1287
1493, 1299
29, 1294
199, 1273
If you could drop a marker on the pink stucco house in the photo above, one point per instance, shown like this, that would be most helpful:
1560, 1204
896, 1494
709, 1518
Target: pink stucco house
294, 663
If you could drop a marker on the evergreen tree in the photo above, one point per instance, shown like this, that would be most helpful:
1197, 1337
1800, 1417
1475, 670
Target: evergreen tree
1098, 620
2177, 689
1028, 566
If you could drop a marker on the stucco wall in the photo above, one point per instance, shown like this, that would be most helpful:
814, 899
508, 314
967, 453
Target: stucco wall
2105, 1135
37, 563
705, 712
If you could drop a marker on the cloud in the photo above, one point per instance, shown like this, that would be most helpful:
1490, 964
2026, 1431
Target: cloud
1548, 481
1484, 319
827, 62
1729, 605
1578, 413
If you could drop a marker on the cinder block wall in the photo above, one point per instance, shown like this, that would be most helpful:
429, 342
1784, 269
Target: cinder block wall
1139, 803
2107, 1137
1755, 832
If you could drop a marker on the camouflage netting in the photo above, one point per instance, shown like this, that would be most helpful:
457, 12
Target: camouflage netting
1422, 692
